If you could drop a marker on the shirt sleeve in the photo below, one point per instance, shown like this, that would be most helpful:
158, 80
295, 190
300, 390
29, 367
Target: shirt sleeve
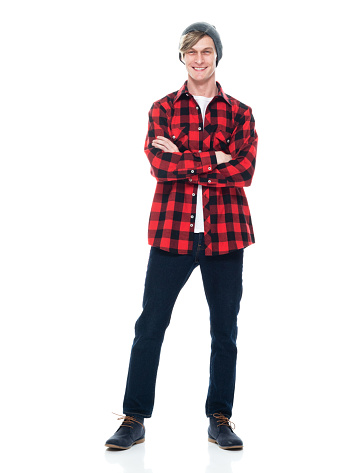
167, 166
238, 172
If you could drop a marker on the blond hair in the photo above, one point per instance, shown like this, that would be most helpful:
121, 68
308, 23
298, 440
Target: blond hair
188, 40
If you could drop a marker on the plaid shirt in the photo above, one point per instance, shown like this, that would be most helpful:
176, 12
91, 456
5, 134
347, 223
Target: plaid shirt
229, 126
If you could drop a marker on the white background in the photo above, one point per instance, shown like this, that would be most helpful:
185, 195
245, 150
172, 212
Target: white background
77, 81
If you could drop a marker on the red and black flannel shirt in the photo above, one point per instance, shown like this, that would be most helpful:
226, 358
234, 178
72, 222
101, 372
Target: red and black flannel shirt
229, 126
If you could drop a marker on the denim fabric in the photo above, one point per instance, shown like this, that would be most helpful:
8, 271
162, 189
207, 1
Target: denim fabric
165, 276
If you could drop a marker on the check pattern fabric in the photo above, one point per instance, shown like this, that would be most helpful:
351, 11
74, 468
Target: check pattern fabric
229, 126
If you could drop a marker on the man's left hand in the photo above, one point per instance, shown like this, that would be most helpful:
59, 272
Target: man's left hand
165, 144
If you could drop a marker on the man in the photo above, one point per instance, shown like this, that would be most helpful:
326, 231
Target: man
201, 145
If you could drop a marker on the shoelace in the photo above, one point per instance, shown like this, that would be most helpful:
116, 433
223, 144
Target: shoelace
127, 420
223, 420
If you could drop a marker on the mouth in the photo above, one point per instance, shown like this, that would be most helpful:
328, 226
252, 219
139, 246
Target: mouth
199, 68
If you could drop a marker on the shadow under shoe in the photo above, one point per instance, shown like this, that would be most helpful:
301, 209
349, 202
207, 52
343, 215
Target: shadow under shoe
221, 433
130, 432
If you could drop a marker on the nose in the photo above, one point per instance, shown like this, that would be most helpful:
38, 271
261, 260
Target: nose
199, 58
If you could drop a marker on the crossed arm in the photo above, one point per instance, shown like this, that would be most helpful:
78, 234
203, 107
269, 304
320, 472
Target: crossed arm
215, 167
166, 145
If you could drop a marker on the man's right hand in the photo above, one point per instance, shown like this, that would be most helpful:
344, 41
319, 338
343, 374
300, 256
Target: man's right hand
222, 157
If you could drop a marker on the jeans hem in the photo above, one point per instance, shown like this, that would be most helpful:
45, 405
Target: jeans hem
217, 412
128, 413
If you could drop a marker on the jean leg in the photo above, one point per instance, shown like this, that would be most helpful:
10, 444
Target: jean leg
165, 276
222, 279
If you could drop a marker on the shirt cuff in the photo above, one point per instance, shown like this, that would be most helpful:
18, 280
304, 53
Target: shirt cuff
209, 160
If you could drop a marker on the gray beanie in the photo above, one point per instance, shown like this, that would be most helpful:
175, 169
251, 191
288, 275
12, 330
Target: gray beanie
211, 31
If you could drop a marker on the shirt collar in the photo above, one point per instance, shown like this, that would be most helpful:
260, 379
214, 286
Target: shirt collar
184, 90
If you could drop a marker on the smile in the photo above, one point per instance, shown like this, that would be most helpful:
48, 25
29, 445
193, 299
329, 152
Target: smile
199, 68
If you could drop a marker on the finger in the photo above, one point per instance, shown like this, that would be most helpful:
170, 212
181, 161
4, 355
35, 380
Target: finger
168, 149
171, 148
164, 139
160, 141
159, 145
165, 144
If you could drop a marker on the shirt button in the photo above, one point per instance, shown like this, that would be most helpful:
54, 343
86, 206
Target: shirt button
199, 151
187, 95
227, 141
192, 216
193, 194
191, 224
199, 128
190, 180
209, 168
209, 180
192, 170
197, 108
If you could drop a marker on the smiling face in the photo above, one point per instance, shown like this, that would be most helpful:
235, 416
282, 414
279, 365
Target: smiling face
200, 60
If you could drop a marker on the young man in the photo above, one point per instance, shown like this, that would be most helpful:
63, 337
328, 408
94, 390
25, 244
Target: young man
201, 145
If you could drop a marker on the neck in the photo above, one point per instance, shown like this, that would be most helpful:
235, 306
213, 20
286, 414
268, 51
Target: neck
206, 89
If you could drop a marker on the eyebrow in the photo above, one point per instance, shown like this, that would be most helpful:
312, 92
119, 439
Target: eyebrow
192, 49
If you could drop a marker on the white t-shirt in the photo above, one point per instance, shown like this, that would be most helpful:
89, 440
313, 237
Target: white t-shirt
199, 217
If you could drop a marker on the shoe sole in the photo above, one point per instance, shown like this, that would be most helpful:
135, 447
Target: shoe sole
110, 445
235, 447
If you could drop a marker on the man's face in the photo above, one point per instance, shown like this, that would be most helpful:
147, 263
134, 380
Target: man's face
200, 60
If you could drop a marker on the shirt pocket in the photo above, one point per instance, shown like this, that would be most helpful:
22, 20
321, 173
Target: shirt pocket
180, 137
221, 140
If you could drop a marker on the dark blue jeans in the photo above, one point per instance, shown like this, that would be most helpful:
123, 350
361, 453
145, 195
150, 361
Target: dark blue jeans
165, 276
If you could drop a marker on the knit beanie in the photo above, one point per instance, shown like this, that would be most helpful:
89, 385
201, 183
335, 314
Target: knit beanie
211, 31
